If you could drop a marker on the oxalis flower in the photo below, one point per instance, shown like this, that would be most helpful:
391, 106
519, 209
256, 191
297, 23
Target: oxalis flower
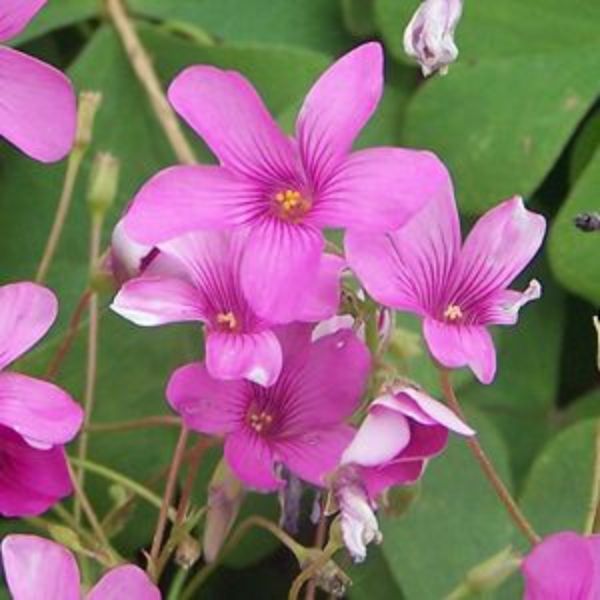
421, 268
402, 431
37, 102
563, 565
298, 421
36, 417
284, 191
37, 568
207, 288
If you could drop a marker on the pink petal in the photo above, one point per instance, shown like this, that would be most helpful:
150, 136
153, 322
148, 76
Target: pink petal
434, 410
323, 299
37, 568
456, 346
379, 479
183, 199
410, 268
150, 301
126, 581
333, 325
380, 189
253, 356
382, 435
560, 567
207, 404
251, 459
31, 480
280, 264
498, 248
337, 108
425, 441
127, 256
225, 110
316, 453
504, 305
324, 384
37, 410
27, 310
15, 15
37, 106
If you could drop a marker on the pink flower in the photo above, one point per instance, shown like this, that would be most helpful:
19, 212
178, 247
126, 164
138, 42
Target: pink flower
298, 421
284, 191
36, 417
564, 565
401, 432
421, 268
37, 568
37, 102
127, 258
239, 343
429, 37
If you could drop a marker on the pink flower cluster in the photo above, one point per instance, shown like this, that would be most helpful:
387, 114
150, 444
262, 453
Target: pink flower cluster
240, 248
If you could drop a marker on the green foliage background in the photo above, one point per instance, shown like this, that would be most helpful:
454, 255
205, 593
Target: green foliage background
517, 114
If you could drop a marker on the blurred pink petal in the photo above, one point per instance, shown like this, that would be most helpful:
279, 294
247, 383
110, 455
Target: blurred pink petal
15, 16
37, 569
124, 582
37, 106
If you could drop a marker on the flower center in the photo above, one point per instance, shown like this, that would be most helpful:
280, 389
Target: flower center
227, 321
260, 421
453, 313
291, 205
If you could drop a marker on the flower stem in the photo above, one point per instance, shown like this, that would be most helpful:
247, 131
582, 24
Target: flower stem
121, 479
176, 588
143, 423
166, 503
320, 536
593, 518
142, 66
92, 356
488, 468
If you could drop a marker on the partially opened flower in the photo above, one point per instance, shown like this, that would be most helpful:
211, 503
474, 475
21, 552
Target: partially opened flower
37, 102
563, 566
239, 343
429, 37
36, 417
284, 191
421, 268
37, 569
401, 432
298, 421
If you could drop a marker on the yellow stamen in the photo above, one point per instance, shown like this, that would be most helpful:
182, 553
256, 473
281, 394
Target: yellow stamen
259, 421
292, 203
227, 319
453, 312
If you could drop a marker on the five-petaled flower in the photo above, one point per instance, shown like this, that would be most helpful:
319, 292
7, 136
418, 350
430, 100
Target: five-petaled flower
298, 421
283, 192
421, 268
36, 417
563, 565
37, 568
37, 102
207, 287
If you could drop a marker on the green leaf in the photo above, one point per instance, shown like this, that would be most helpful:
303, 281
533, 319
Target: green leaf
575, 255
316, 24
456, 522
585, 146
373, 579
501, 124
57, 14
359, 17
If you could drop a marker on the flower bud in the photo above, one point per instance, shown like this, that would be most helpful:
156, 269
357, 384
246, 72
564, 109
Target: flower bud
225, 496
104, 180
188, 552
89, 102
429, 37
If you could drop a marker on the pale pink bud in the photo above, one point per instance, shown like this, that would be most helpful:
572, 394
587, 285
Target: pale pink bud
429, 37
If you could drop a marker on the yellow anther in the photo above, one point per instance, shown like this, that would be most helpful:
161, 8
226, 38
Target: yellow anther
260, 421
453, 312
227, 319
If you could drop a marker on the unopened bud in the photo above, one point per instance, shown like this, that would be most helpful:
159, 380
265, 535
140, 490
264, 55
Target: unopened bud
488, 575
225, 496
65, 537
104, 180
188, 552
429, 37
332, 580
89, 102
